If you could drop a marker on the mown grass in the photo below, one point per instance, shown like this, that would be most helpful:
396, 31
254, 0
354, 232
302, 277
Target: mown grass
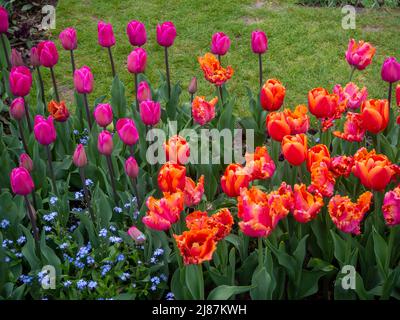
306, 45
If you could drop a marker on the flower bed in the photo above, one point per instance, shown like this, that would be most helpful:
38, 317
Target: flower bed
138, 201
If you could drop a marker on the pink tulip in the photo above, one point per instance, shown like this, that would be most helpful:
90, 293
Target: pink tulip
131, 168
220, 43
259, 42
136, 235
390, 70
391, 207
136, 32
20, 81
26, 162
359, 55
48, 54
150, 112
144, 92
34, 55
127, 131
105, 143
137, 61
83, 80
17, 108
68, 39
79, 158
398, 95
355, 97
166, 34
105, 34
21, 181
44, 130
103, 114
3, 20
16, 58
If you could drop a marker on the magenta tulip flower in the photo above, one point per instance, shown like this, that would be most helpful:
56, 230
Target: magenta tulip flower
79, 158
44, 130
259, 42
105, 143
131, 167
3, 20
136, 32
48, 54
127, 131
220, 43
34, 57
144, 92
17, 108
390, 70
83, 80
20, 81
150, 112
166, 34
21, 181
68, 39
105, 34
137, 61
103, 114
26, 162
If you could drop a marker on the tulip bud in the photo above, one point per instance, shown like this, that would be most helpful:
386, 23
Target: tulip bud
68, 39
44, 130
3, 20
17, 108
390, 70
127, 131
259, 42
103, 114
166, 34
105, 143
136, 235
48, 54
144, 92
34, 57
193, 86
136, 32
137, 61
83, 80
220, 43
79, 158
16, 58
20, 81
105, 34
26, 162
21, 181
150, 112
131, 167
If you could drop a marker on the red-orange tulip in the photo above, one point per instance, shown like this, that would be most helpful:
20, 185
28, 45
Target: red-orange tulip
322, 179
213, 71
317, 153
259, 164
341, 166
234, 178
294, 148
298, 120
193, 192
277, 126
177, 150
272, 94
306, 205
353, 129
172, 177
322, 104
375, 115
59, 110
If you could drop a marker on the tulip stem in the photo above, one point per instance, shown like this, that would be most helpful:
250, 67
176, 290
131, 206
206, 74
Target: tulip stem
28, 118
390, 94
41, 86
220, 96
21, 133
136, 92
167, 71
72, 62
260, 252
135, 190
85, 100
112, 61
219, 58
53, 179
32, 219
260, 69
351, 73
131, 150
191, 98
86, 193
112, 177
5, 51
53, 77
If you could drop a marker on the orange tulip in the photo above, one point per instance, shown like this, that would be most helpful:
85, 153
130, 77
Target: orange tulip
59, 110
193, 192
163, 212
322, 104
317, 153
375, 115
172, 177
341, 166
285, 193
203, 111
306, 205
347, 215
272, 94
259, 165
337, 114
196, 246
353, 129
260, 213
213, 71
234, 178
375, 171
298, 120
322, 180
277, 126
177, 150
294, 148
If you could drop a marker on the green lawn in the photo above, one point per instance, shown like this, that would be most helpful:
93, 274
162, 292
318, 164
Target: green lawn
306, 45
